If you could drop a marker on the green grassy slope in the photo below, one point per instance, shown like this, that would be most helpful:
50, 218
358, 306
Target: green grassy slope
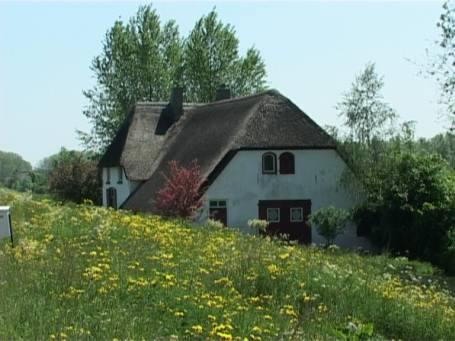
86, 272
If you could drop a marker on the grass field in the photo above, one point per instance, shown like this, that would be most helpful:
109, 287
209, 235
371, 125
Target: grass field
87, 272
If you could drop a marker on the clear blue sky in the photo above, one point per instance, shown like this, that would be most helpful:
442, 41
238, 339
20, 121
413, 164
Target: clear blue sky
312, 51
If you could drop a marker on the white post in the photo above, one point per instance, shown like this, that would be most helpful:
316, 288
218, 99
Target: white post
6, 229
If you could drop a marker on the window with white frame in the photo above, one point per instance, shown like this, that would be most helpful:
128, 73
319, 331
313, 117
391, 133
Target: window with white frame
273, 215
108, 175
296, 214
218, 211
217, 203
269, 163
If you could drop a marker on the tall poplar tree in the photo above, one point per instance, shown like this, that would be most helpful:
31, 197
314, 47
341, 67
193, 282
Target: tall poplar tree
143, 59
140, 61
211, 59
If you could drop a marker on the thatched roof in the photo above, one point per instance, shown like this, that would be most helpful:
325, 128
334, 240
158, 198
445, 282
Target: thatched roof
139, 139
211, 134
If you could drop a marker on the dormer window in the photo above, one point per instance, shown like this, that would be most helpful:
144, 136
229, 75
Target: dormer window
287, 164
269, 163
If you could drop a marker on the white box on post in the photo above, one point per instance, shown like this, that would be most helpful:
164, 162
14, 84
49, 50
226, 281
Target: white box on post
5, 222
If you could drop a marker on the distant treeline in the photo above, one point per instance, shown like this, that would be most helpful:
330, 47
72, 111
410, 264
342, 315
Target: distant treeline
441, 144
18, 174
68, 175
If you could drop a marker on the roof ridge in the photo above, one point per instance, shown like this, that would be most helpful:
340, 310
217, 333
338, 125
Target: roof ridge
163, 103
201, 104
241, 98
172, 136
151, 103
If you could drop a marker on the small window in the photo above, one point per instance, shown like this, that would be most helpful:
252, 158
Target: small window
287, 165
273, 215
108, 175
269, 163
296, 214
218, 211
120, 175
111, 197
217, 203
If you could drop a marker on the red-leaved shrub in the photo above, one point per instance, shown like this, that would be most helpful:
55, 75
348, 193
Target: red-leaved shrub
180, 195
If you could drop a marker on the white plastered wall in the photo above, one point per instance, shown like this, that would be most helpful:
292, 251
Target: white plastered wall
124, 188
317, 178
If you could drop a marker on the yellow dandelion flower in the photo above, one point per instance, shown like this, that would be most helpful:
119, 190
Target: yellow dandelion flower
273, 269
284, 256
257, 329
197, 329
322, 308
306, 297
224, 336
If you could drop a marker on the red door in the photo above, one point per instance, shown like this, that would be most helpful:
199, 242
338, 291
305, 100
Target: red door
289, 217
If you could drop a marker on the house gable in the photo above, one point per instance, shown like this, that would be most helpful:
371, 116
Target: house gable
317, 179
212, 132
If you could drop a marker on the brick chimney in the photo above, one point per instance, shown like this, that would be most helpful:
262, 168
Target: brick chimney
176, 103
223, 92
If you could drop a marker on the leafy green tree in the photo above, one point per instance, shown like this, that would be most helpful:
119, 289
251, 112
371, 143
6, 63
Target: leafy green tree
442, 67
330, 222
143, 59
364, 110
140, 61
441, 144
408, 190
14, 171
40, 174
211, 59
412, 209
74, 177
370, 124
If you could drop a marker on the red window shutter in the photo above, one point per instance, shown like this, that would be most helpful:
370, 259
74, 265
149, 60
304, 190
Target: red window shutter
287, 164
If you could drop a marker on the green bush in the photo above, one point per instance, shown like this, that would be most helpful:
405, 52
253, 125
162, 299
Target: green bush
74, 177
214, 224
412, 210
330, 222
15, 172
258, 225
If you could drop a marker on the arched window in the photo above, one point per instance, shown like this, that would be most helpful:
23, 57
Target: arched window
287, 163
269, 163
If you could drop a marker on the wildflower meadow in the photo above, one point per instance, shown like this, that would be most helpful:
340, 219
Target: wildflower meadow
85, 272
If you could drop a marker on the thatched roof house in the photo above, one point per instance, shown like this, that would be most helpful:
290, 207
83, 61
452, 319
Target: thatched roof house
260, 149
